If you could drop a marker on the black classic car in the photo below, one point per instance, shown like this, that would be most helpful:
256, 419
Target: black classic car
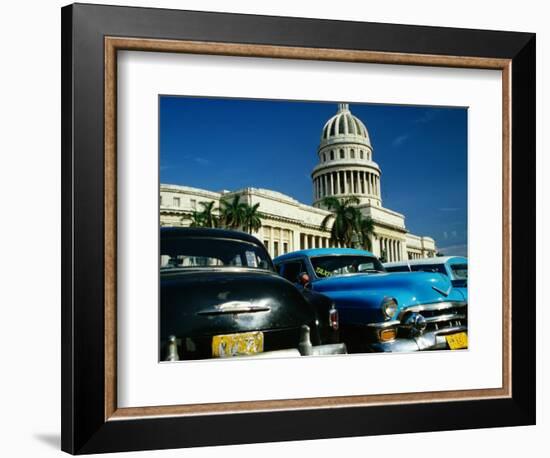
221, 297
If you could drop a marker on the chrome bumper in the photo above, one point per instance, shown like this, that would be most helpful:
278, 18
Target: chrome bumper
328, 349
434, 340
314, 350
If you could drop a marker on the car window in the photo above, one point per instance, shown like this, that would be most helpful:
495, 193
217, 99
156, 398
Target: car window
199, 252
440, 268
460, 271
292, 269
398, 269
330, 266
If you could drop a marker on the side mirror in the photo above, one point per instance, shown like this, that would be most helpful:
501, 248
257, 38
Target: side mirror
303, 279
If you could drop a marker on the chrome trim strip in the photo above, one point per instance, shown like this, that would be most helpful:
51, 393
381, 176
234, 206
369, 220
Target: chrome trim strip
383, 325
447, 317
434, 307
233, 310
195, 269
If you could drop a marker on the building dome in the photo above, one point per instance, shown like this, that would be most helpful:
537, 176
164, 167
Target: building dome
346, 167
345, 124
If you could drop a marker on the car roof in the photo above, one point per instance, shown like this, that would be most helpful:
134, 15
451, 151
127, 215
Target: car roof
423, 261
173, 232
322, 252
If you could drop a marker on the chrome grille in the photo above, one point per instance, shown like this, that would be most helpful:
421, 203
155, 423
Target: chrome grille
439, 316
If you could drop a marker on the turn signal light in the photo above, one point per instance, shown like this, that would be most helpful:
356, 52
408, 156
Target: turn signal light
387, 334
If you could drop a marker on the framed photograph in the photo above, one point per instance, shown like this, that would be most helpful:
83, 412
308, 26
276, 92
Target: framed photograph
274, 221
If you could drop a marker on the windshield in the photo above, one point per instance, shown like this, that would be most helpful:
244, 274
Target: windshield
197, 252
330, 266
429, 268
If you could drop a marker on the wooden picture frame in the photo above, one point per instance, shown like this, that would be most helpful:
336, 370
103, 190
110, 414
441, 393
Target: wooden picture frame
91, 37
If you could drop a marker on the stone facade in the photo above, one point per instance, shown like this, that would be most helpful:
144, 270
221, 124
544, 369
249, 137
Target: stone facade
346, 168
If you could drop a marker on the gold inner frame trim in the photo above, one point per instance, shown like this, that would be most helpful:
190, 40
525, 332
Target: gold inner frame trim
114, 44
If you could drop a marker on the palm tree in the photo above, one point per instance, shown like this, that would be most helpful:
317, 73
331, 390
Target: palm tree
346, 219
232, 213
207, 214
366, 231
196, 219
252, 218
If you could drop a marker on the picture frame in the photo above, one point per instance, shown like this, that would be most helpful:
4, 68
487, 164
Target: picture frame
92, 35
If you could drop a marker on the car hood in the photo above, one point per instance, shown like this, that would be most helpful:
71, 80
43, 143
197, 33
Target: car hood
409, 288
203, 302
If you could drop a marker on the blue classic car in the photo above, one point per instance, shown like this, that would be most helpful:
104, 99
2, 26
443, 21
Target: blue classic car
455, 267
380, 311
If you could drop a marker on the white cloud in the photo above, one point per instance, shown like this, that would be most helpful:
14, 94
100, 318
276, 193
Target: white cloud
398, 141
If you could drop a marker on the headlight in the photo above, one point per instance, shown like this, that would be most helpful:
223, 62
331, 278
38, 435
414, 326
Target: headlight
389, 307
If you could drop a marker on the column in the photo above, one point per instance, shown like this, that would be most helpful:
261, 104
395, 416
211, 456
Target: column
400, 250
345, 174
332, 184
314, 189
370, 183
317, 187
306, 246
325, 187
337, 182
270, 249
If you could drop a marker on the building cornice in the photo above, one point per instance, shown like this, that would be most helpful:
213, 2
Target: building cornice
341, 165
344, 140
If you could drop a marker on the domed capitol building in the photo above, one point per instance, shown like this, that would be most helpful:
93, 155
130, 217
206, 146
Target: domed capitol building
346, 168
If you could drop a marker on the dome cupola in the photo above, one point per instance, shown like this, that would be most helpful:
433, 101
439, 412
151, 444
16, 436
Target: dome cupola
346, 167
345, 126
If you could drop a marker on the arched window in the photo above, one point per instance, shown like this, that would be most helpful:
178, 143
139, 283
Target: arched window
342, 154
332, 155
324, 157
332, 130
361, 154
341, 127
352, 154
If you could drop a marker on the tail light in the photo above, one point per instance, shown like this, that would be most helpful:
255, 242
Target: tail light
333, 318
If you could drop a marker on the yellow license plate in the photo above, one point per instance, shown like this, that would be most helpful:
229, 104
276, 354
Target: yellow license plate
244, 343
457, 341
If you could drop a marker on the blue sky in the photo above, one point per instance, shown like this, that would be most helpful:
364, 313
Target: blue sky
216, 144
